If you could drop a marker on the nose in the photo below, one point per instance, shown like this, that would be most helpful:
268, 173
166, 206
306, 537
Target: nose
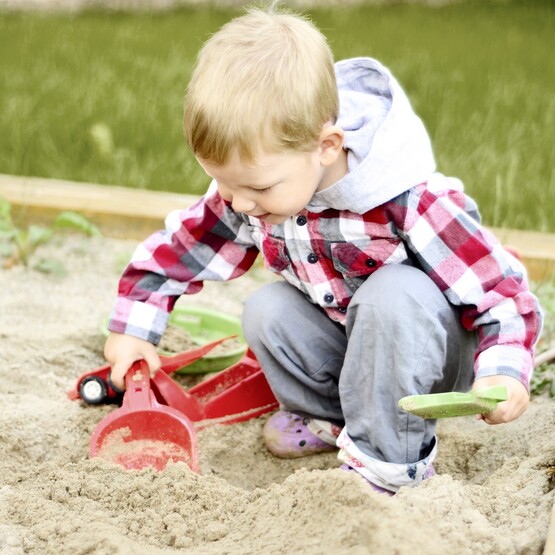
239, 203
242, 204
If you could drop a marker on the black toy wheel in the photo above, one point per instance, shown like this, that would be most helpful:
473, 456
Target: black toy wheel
93, 390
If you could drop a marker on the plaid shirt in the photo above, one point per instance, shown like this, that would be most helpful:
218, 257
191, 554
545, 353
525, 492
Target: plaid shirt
327, 255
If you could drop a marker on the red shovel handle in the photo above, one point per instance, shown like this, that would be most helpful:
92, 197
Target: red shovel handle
137, 383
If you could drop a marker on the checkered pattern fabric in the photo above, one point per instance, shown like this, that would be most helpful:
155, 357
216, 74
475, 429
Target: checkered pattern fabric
327, 255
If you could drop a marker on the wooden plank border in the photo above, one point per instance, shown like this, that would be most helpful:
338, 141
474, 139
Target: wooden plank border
133, 214
118, 211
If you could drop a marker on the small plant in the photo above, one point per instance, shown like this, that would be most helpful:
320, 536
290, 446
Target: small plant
543, 378
19, 245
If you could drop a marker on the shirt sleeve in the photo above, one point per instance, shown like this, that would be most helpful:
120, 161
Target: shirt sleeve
208, 241
476, 273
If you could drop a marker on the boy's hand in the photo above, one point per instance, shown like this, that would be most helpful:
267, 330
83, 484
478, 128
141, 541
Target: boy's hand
121, 351
513, 407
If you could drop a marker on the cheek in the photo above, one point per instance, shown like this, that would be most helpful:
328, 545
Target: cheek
312, 176
224, 193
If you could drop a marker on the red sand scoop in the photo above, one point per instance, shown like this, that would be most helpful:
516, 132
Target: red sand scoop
158, 418
143, 433
238, 393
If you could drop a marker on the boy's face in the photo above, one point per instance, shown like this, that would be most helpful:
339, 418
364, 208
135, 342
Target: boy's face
274, 188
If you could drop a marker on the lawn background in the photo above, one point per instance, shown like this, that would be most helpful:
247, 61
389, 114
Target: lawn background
97, 96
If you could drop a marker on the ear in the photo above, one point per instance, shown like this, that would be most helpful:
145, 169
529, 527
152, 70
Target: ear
330, 143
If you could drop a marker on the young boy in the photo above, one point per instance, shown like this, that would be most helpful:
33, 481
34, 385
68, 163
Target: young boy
391, 286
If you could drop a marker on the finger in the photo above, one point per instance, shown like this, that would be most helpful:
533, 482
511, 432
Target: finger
111, 383
153, 362
489, 420
496, 417
117, 374
493, 422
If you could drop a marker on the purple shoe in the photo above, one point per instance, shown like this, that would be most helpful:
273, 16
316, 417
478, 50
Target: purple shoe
286, 435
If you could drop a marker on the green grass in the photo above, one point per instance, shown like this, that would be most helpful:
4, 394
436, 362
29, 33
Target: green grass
97, 97
543, 379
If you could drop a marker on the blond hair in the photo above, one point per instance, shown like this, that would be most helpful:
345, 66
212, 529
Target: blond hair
266, 81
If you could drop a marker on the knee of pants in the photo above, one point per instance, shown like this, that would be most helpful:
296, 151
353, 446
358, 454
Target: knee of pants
398, 289
271, 303
405, 304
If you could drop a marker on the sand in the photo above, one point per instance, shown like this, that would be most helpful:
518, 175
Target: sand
493, 493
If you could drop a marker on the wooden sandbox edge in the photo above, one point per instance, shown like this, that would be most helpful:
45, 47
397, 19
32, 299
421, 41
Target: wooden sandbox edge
118, 212
126, 213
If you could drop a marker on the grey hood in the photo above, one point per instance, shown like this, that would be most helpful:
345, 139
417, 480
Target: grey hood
388, 148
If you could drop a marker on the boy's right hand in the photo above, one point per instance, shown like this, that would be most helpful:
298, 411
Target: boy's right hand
121, 351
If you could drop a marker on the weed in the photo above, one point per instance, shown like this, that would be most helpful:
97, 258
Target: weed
543, 378
19, 245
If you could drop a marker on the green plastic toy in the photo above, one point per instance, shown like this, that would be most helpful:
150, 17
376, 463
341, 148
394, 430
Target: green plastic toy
203, 326
444, 405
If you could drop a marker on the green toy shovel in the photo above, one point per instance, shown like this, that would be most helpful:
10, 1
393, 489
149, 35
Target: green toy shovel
443, 405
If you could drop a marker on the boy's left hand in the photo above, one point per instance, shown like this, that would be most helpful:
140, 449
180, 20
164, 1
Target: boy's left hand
516, 403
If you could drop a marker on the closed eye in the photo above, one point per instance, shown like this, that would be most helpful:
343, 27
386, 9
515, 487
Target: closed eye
264, 190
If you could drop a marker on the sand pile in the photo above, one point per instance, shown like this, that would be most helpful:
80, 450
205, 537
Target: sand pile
493, 494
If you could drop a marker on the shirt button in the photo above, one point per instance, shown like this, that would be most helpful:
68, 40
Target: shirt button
312, 258
328, 298
301, 220
342, 309
371, 263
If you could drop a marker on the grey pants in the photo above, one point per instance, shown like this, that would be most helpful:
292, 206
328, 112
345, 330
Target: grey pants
401, 337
